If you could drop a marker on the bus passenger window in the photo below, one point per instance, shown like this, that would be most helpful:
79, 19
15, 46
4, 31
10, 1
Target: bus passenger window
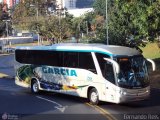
39, 57
86, 61
70, 59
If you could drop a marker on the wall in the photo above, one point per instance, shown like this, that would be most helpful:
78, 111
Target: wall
16, 40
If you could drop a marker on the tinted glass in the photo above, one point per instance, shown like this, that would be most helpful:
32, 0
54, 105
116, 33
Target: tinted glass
81, 60
106, 67
39, 57
86, 61
70, 59
133, 72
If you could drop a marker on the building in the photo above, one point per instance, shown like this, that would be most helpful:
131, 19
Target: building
74, 4
10, 3
76, 7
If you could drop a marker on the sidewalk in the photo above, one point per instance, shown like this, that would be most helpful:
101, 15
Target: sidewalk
3, 54
6, 76
7, 66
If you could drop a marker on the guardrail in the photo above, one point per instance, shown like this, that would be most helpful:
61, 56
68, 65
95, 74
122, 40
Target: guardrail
6, 42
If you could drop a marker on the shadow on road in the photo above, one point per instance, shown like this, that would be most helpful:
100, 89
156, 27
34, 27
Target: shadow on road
157, 61
155, 76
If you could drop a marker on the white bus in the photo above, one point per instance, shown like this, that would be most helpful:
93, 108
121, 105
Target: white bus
98, 72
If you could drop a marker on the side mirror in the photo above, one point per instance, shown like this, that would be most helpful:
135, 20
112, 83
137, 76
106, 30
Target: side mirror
153, 64
115, 64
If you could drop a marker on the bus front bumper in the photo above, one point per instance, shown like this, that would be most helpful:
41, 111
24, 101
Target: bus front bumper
129, 97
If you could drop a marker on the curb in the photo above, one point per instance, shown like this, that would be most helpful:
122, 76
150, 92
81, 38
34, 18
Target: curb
7, 77
4, 54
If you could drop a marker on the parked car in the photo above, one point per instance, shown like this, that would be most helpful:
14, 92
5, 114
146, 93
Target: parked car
9, 50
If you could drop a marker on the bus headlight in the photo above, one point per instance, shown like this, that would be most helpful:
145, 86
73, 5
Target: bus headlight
122, 92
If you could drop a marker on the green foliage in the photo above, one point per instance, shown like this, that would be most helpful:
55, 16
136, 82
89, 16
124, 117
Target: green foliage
131, 18
48, 26
78, 26
100, 6
128, 20
1, 6
3, 17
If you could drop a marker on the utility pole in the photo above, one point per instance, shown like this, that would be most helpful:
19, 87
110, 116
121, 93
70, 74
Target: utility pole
60, 31
107, 22
37, 14
37, 17
87, 27
60, 8
6, 22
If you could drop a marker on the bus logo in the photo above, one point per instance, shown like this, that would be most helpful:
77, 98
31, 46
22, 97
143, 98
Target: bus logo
59, 71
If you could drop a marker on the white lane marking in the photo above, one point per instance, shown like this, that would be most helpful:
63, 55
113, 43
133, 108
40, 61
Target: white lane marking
59, 106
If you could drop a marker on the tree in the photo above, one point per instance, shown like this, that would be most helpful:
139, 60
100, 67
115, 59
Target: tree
1, 23
4, 18
96, 27
127, 18
99, 7
50, 26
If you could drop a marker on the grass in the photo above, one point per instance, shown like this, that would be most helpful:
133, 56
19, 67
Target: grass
3, 75
151, 51
25, 44
29, 44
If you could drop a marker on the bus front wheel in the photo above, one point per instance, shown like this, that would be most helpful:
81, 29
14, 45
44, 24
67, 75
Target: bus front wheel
34, 86
93, 96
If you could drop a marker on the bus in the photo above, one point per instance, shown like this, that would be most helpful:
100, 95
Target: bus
97, 72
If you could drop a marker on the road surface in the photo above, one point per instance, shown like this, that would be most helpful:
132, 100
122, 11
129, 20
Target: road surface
19, 103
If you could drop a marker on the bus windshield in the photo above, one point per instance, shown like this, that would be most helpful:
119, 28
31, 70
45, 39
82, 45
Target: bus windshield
133, 72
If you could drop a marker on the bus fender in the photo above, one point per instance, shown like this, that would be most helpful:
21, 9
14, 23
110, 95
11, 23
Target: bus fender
34, 78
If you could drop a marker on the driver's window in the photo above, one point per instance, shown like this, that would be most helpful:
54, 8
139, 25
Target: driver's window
108, 72
106, 67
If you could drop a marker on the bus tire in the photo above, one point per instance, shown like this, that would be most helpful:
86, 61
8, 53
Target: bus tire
93, 96
34, 86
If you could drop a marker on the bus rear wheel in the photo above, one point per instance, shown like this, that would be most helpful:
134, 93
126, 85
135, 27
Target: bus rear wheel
34, 86
93, 96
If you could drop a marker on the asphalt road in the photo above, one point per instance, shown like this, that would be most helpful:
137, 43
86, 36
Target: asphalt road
18, 103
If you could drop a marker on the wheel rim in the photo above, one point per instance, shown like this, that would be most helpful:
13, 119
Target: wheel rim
94, 97
35, 87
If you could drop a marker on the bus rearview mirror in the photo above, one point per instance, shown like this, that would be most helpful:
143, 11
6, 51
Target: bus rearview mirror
153, 64
115, 64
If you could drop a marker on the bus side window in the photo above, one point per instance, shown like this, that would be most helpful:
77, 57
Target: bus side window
23, 56
70, 59
109, 73
51, 58
86, 61
40, 57
106, 67
20, 56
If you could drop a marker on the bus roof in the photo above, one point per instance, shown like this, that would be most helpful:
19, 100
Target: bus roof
111, 50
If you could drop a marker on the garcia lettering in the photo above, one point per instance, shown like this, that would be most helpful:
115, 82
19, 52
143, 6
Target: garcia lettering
59, 71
